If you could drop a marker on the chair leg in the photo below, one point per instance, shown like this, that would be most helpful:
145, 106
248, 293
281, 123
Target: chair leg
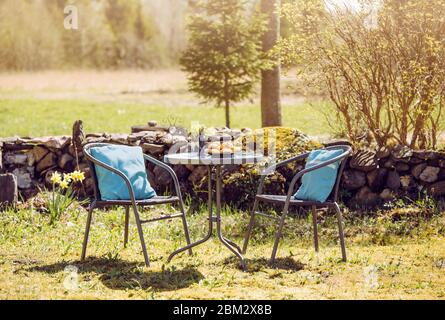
127, 221
340, 231
141, 235
250, 227
278, 235
185, 226
87, 232
314, 222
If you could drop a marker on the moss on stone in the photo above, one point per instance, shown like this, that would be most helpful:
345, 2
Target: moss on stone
288, 142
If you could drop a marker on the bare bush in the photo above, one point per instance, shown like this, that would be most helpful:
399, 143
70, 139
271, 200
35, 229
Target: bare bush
383, 66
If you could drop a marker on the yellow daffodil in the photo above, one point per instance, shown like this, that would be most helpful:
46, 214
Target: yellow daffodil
56, 178
64, 184
78, 176
67, 177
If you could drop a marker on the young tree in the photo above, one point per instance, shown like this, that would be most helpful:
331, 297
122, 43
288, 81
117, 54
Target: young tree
224, 57
270, 80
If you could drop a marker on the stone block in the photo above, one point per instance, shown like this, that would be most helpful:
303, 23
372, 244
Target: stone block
47, 162
353, 179
8, 189
429, 174
24, 178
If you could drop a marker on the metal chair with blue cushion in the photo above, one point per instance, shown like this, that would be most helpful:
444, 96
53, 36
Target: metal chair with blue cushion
132, 202
290, 200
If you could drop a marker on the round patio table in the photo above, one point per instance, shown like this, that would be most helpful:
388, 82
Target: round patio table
215, 164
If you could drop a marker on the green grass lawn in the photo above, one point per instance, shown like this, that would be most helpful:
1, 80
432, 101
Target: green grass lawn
389, 257
39, 117
48, 103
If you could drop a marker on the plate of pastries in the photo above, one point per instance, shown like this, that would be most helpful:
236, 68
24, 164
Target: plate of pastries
222, 149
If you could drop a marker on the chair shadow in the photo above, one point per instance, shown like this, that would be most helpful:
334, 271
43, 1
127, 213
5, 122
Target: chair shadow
120, 275
257, 264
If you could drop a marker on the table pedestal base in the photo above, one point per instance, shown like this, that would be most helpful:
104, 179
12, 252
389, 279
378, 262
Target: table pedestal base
215, 219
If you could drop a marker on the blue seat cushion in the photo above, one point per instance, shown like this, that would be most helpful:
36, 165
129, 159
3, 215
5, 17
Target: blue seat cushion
130, 161
317, 185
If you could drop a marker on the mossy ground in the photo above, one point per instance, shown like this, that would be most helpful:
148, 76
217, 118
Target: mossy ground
388, 258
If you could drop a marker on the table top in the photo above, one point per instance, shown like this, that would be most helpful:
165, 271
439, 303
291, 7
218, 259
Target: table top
195, 158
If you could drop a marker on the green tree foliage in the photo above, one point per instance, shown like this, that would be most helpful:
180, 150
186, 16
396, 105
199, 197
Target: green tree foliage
303, 22
224, 56
135, 35
27, 36
383, 66
90, 46
111, 34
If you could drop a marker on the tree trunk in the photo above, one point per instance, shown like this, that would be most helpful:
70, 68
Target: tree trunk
227, 99
227, 109
270, 84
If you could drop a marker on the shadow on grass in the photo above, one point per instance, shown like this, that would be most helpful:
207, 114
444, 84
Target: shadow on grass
120, 275
255, 265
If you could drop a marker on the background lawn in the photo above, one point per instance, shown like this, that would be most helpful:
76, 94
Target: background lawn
48, 103
47, 117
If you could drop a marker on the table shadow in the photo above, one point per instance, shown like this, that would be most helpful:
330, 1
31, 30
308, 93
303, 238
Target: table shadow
121, 275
